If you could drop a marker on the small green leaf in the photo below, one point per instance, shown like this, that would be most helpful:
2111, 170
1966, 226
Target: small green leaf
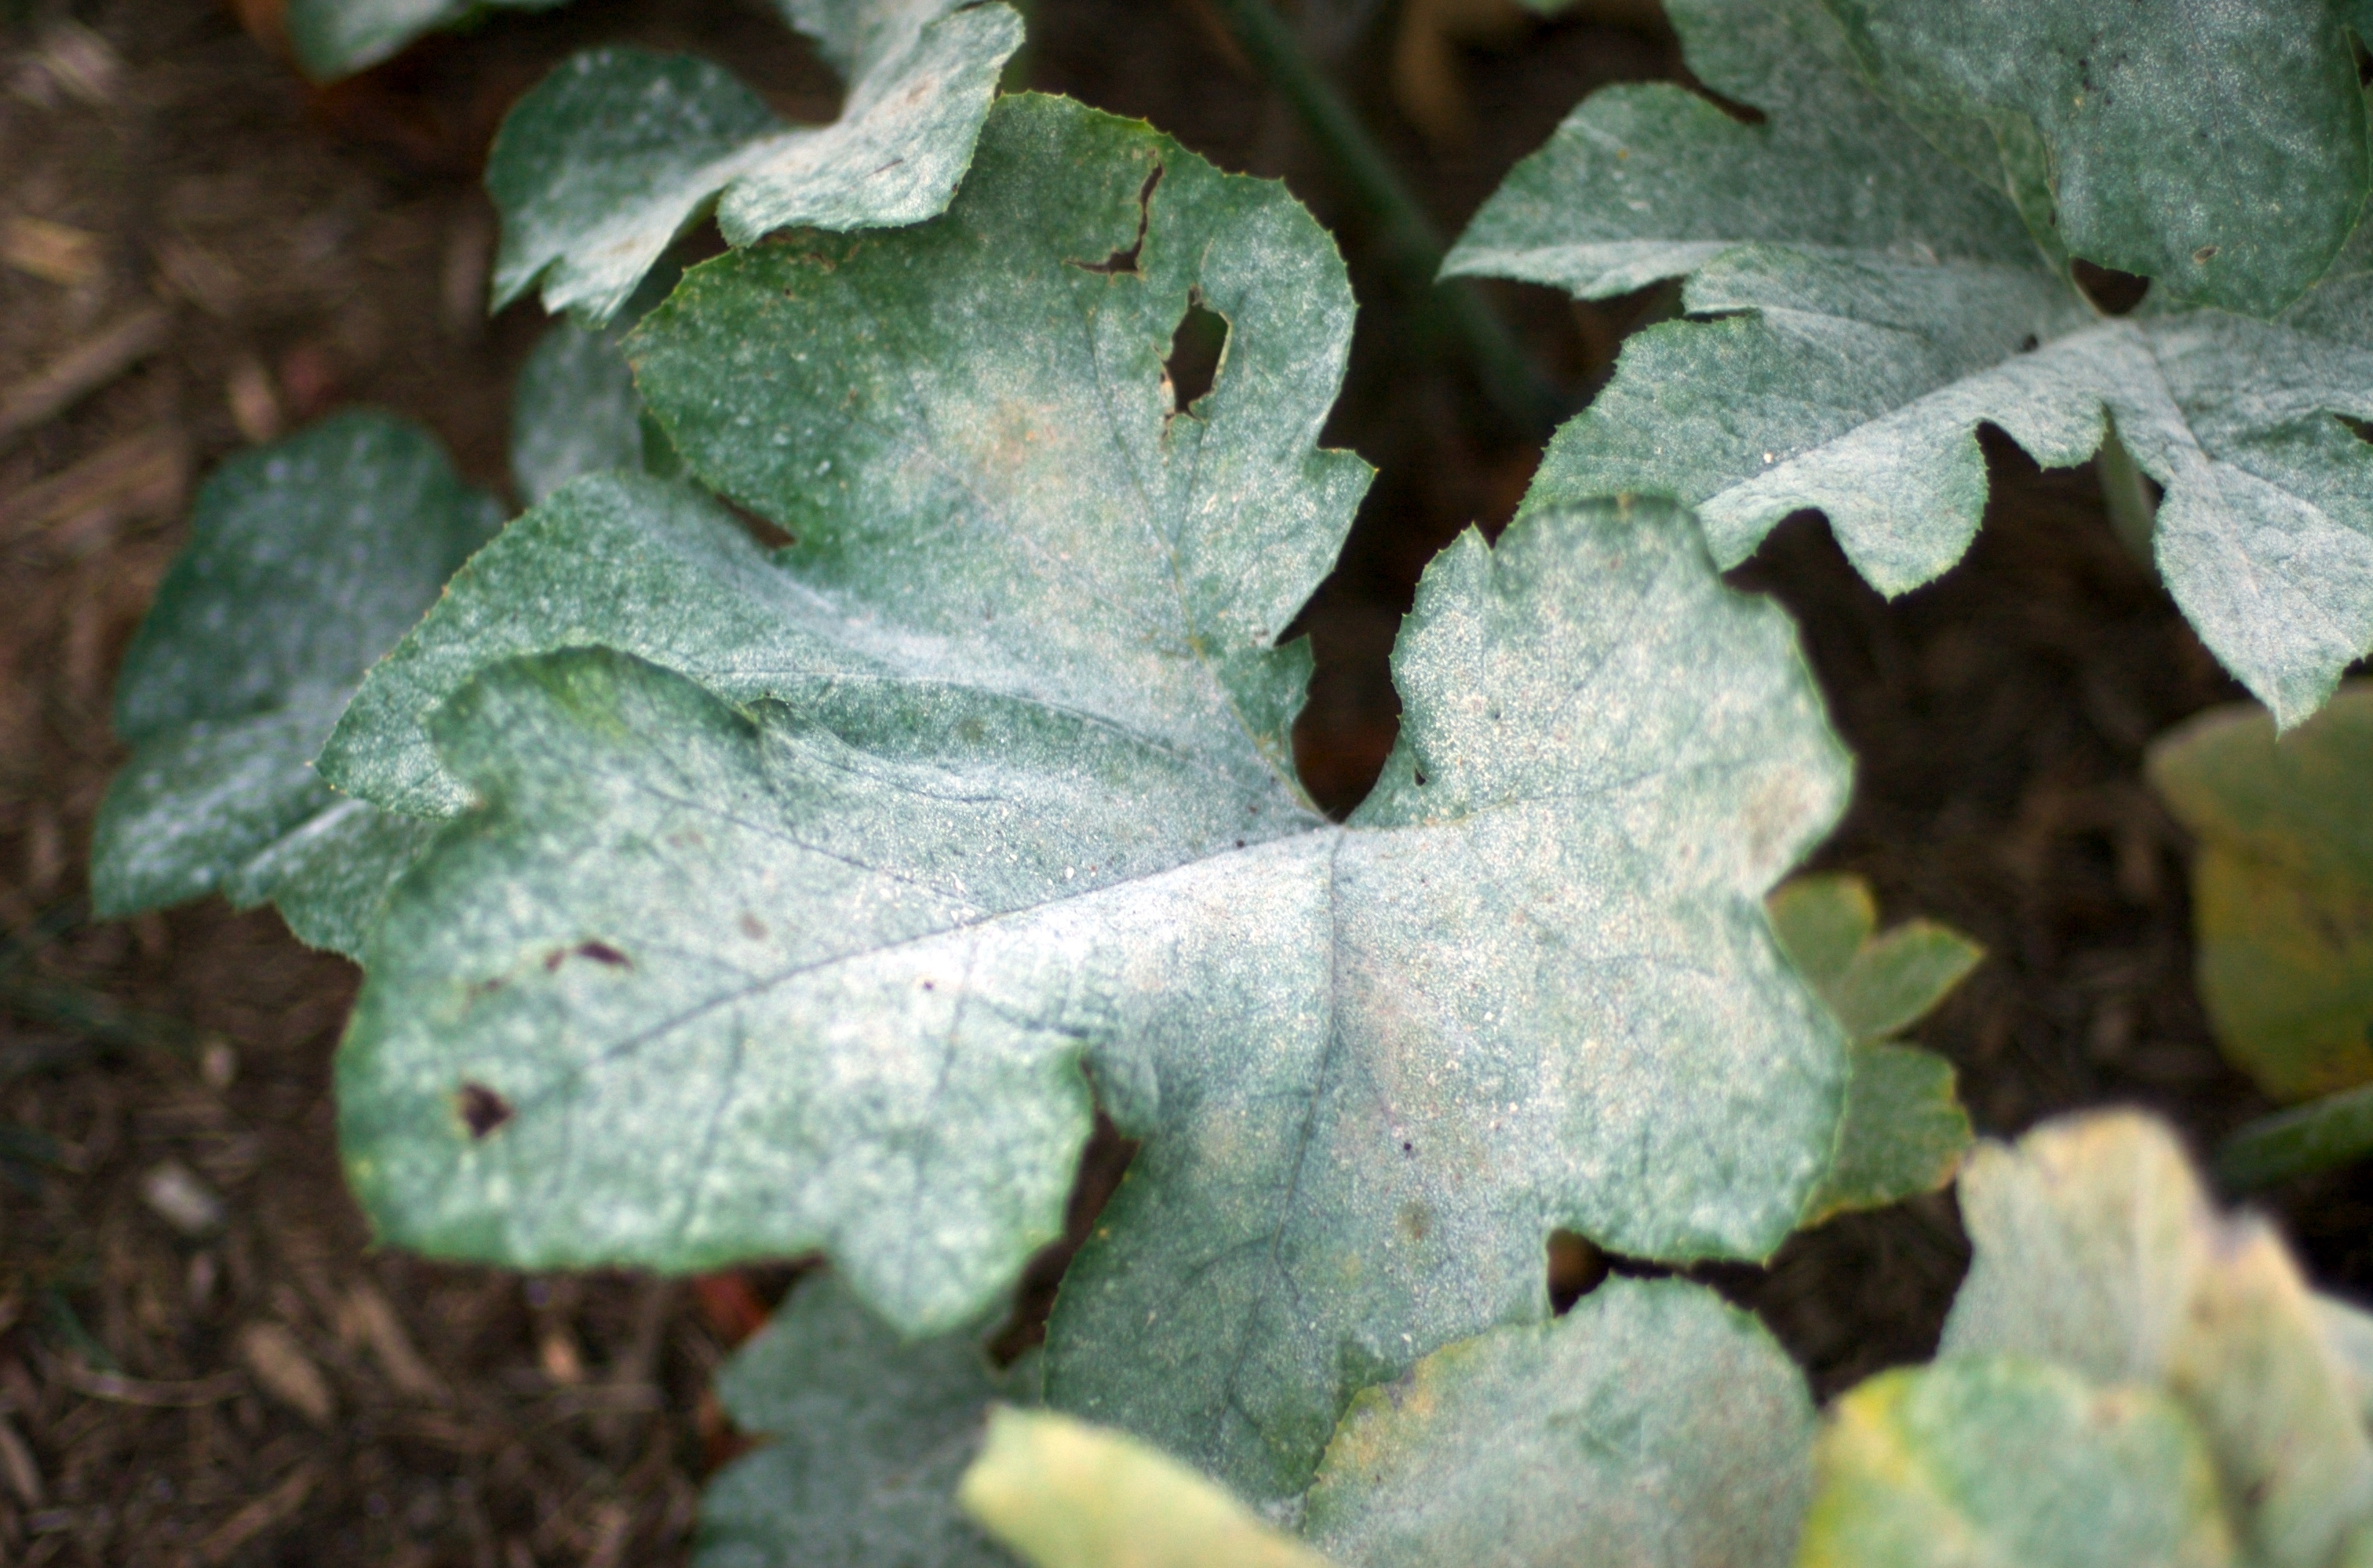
306, 561
2282, 887
337, 38
1653, 1423
618, 152
1878, 986
2322, 1135
1823, 922
1898, 979
1854, 327
2112, 95
2096, 1249
1996, 1459
1064, 1495
1904, 1132
574, 410
865, 1438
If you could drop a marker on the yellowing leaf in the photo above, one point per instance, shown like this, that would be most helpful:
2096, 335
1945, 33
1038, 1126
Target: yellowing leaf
2282, 886
1065, 1494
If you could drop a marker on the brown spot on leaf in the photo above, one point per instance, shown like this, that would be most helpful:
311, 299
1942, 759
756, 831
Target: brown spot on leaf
752, 927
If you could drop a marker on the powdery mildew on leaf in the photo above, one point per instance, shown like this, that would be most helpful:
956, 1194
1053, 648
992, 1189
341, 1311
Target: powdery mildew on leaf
1541, 993
574, 412
1998, 1459
1864, 304
998, 794
865, 1438
619, 151
2217, 148
2096, 1249
307, 561
1653, 1423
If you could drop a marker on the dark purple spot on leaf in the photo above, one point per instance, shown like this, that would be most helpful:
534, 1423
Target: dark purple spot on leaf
482, 1109
603, 952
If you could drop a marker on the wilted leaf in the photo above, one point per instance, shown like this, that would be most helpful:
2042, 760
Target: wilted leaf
1997, 1460
1007, 796
618, 151
337, 38
865, 1436
1651, 1424
2096, 1249
1065, 1494
306, 561
2282, 886
1863, 305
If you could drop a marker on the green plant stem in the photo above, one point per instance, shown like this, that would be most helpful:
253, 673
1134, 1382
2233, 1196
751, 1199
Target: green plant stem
2133, 513
1511, 382
2335, 1130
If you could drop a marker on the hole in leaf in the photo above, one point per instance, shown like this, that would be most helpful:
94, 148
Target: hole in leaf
2361, 428
1126, 260
482, 1109
1575, 1269
2113, 293
1198, 349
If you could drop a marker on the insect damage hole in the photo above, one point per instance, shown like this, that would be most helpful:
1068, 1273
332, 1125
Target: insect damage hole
1197, 351
482, 1109
1124, 262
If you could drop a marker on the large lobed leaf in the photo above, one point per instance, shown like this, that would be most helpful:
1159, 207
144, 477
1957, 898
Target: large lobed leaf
619, 151
307, 561
2282, 886
796, 916
1861, 302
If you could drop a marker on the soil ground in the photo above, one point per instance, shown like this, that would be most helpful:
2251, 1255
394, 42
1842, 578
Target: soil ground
218, 253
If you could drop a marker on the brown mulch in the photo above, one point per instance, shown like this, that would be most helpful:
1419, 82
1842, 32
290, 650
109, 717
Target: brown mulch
201, 1360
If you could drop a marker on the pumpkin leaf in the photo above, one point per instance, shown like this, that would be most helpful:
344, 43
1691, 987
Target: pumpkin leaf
1062, 1493
1859, 304
307, 561
619, 151
865, 1438
1652, 1423
2097, 1251
2282, 887
574, 410
805, 912
1987, 1460
2072, 109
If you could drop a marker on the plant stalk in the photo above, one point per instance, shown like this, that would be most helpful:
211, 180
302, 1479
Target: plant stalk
2320, 1136
1511, 382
